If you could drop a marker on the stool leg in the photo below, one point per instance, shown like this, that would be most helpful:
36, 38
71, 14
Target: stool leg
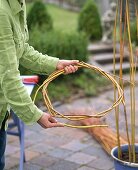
20, 126
22, 154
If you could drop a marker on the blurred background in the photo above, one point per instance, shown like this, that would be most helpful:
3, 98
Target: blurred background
75, 29
64, 29
80, 30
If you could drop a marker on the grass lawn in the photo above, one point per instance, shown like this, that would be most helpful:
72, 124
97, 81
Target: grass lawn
63, 20
87, 83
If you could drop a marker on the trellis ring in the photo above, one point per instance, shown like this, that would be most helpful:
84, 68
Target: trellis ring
55, 113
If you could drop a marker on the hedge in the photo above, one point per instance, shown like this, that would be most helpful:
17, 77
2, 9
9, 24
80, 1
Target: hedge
59, 44
89, 21
39, 17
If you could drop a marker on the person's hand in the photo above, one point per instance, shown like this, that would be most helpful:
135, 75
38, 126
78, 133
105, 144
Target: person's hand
47, 121
70, 66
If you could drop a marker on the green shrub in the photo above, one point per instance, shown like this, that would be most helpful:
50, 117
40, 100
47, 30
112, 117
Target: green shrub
89, 21
134, 37
61, 45
38, 17
64, 87
57, 44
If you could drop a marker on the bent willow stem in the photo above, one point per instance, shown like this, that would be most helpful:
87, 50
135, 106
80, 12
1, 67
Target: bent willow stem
123, 10
123, 15
55, 113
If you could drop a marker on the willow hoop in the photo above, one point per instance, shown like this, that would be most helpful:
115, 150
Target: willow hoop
55, 113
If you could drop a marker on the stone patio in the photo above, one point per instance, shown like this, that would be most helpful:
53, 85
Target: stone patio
65, 148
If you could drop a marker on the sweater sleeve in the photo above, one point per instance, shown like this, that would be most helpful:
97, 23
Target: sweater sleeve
37, 62
10, 81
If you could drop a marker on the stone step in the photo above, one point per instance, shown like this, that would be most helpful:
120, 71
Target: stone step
109, 67
92, 62
127, 77
107, 58
100, 48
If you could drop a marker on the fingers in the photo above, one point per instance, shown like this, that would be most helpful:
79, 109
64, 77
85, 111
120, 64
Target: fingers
52, 120
73, 62
70, 69
58, 124
54, 123
70, 62
50, 124
70, 66
47, 121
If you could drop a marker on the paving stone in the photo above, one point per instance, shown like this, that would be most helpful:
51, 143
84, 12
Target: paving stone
10, 149
14, 168
73, 133
91, 141
102, 164
11, 162
41, 148
74, 145
88, 140
64, 148
80, 158
10, 139
64, 165
44, 161
57, 141
95, 151
36, 137
28, 155
28, 133
28, 166
15, 143
35, 128
67, 133
86, 168
29, 143
54, 140
60, 153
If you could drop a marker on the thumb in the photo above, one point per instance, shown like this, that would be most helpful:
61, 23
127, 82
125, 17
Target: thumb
52, 120
74, 61
58, 124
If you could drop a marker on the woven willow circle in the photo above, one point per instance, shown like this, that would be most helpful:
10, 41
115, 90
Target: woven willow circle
55, 113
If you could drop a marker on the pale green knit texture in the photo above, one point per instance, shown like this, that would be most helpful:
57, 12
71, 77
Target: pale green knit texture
14, 49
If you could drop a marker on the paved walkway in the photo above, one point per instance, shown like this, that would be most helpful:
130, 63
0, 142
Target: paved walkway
65, 148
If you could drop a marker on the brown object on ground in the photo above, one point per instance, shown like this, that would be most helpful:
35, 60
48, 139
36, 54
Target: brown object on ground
104, 135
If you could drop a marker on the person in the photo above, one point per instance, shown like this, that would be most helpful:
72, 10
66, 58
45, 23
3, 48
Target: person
14, 49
